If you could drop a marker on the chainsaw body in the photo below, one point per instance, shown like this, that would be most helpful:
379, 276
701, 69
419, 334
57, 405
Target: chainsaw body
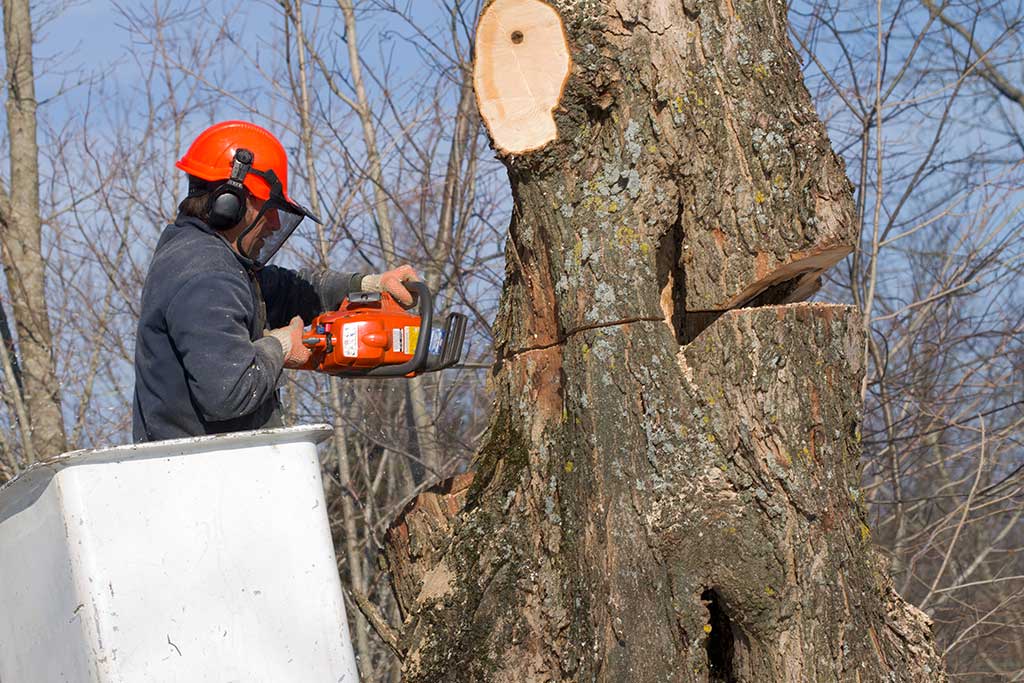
371, 335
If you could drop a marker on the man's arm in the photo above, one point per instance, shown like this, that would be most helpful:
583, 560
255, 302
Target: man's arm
306, 293
228, 374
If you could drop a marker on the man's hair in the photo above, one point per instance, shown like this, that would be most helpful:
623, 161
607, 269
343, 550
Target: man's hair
196, 204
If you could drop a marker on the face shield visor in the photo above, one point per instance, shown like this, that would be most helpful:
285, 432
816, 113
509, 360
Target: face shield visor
275, 223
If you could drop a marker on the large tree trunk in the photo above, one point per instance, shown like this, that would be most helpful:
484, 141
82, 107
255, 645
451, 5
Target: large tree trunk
669, 488
21, 243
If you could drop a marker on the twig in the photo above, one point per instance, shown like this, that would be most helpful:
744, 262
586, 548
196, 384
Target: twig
963, 518
391, 637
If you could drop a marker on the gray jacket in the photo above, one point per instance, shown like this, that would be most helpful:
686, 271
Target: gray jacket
202, 364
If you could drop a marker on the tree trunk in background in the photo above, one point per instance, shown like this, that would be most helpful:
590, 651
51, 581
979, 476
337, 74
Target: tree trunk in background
355, 557
423, 417
21, 242
669, 488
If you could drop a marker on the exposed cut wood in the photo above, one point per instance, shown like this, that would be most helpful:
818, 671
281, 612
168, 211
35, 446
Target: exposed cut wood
422, 534
522, 63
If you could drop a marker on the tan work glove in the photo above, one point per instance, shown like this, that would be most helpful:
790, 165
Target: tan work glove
295, 352
391, 282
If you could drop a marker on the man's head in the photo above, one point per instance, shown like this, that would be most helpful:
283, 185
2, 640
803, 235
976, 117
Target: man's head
265, 222
238, 178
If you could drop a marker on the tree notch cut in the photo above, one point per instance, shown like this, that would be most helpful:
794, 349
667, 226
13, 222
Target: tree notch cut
800, 276
522, 65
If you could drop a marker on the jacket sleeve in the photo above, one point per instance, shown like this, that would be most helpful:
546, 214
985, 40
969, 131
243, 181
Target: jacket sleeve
228, 375
306, 293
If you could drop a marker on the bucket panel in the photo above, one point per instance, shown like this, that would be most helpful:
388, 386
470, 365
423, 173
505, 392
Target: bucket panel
208, 565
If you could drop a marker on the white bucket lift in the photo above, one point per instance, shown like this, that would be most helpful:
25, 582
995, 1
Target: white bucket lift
203, 560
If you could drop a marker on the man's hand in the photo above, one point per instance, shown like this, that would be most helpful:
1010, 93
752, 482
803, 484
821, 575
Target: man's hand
295, 352
391, 282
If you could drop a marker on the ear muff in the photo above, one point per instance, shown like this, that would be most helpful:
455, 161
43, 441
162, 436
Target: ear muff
226, 206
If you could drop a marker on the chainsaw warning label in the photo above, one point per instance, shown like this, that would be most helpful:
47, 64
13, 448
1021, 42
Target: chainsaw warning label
412, 334
350, 340
396, 340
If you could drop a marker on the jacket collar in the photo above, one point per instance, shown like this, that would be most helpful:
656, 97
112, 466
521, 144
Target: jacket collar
193, 222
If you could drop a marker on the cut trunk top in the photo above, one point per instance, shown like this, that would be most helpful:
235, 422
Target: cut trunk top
522, 63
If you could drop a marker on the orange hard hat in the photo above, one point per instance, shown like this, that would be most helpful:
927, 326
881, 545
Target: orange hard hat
238, 151
213, 152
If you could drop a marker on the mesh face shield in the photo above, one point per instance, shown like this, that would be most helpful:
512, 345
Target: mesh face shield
276, 220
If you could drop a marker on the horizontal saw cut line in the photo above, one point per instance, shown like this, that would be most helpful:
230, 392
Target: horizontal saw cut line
576, 330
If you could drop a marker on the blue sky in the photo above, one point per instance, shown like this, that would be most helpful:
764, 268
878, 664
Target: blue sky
90, 36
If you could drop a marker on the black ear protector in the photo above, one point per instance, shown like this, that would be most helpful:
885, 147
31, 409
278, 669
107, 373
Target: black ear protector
226, 206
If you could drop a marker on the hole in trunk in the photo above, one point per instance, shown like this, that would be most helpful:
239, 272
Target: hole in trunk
719, 645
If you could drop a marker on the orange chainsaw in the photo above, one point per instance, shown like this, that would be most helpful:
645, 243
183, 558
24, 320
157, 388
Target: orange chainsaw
371, 335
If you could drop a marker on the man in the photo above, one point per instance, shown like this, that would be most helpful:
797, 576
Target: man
205, 361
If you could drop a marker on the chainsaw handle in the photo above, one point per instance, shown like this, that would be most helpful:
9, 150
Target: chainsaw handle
425, 309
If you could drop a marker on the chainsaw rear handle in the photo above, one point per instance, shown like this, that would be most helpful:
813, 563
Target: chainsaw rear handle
425, 309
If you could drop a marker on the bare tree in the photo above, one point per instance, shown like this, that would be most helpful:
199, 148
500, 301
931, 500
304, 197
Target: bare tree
36, 394
922, 101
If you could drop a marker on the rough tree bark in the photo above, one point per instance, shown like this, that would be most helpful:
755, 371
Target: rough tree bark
21, 242
669, 488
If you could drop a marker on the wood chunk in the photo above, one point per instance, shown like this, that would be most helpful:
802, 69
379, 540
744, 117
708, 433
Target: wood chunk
801, 277
726, 269
522, 64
